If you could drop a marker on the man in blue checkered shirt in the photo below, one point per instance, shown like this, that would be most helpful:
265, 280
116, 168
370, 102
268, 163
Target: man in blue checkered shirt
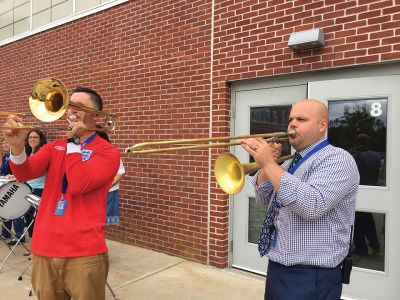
311, 208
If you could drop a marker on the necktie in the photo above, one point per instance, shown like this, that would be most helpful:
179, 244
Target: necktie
295, 160
268, 228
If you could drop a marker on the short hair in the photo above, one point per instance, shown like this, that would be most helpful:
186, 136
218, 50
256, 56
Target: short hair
363, 139
94, 96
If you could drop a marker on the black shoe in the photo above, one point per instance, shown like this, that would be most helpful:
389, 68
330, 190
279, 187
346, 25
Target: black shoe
13, 242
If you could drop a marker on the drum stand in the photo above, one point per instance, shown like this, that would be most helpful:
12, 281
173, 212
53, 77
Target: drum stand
20, 278
1, 237
16, 244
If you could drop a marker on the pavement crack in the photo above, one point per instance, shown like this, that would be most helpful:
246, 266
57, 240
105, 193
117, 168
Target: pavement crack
149, 275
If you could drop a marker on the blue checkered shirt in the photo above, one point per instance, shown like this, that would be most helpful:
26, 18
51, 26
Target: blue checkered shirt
317, 208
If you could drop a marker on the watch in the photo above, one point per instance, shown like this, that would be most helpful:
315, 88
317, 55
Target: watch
76, 140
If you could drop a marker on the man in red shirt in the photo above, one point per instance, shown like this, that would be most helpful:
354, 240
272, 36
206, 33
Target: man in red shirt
69, 253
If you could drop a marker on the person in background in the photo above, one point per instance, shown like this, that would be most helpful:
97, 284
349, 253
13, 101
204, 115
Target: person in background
5, 166
35, 140
69, 252
311, 203
112, 213
18, 223
368, 164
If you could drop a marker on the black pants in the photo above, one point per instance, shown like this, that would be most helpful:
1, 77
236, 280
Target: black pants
365, 229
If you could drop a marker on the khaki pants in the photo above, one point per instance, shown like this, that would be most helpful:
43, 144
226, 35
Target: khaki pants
80, 278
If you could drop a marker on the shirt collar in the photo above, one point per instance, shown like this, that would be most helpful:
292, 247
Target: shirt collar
304, 152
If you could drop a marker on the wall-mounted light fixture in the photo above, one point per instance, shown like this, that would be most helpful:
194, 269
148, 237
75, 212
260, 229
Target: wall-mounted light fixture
308, 39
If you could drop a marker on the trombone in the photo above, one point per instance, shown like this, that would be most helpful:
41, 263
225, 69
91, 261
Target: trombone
49, 101
228, 170
178, 145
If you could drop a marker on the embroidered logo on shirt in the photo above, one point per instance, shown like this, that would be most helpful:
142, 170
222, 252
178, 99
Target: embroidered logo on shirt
86, 154
59, 148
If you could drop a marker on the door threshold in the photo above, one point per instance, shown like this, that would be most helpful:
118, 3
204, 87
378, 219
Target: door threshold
245, 273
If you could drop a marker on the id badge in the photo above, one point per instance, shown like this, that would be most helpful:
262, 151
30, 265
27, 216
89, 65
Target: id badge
274, 237
60, 207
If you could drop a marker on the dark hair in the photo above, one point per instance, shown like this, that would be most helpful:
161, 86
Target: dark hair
363, 139
94, 96
103, 134
42, 138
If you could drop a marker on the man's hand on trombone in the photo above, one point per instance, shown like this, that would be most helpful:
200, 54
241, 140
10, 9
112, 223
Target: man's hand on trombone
15, 137
265, 155
76, 126
263, 152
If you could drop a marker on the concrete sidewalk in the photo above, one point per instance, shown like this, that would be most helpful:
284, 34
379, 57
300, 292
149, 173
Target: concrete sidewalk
141, 274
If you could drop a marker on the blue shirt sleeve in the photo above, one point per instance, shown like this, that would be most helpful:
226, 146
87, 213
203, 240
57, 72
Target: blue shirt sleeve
5, 165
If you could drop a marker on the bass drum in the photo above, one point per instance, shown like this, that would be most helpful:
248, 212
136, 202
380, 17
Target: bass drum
12, 199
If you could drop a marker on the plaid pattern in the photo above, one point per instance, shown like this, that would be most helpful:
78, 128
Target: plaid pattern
268, 228
317, 208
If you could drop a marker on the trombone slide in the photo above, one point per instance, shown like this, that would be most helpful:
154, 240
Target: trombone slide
202, 143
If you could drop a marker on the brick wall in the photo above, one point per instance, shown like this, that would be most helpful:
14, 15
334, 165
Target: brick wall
151, 61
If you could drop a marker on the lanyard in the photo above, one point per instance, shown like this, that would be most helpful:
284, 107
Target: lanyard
65, 181
311, 152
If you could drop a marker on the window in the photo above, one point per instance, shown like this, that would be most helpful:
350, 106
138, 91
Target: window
360, 127
260, 122
21, 18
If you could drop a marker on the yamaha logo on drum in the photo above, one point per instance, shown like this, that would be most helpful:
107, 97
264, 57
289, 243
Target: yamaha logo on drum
8, 195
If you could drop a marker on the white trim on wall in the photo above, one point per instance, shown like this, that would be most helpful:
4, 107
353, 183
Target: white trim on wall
65, 20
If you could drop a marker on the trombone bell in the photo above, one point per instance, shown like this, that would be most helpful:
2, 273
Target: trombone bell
230, 172
48, 100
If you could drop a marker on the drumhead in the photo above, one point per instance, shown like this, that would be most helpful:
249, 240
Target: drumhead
12, 200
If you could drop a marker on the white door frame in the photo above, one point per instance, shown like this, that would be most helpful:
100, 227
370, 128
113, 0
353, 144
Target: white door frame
298, 79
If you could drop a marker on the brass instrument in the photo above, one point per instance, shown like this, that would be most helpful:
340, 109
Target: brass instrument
229, 172
178, 145
49, 101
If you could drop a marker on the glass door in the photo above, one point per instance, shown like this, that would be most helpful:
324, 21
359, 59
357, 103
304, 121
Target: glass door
360, 121
262, 110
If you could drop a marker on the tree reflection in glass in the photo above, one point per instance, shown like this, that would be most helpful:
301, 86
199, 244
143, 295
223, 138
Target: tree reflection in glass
359, 126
